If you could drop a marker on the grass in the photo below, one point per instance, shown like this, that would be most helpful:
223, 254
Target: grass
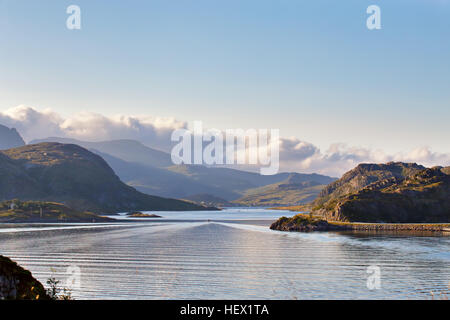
18, 211
299, 208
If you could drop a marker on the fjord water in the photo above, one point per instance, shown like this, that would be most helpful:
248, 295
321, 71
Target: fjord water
230, 254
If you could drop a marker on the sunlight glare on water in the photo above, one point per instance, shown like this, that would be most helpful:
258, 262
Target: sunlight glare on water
228, 255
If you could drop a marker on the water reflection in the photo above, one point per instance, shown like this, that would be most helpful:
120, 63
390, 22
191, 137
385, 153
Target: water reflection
230, 258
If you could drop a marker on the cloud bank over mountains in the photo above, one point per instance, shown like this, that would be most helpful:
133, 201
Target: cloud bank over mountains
295, 154
33, 124
339, 158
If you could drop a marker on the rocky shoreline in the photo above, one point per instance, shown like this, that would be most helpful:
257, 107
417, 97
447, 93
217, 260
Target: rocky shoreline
306, 223
18, 283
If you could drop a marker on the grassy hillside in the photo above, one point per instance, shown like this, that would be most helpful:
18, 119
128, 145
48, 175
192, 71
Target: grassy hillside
233, 182
364, 175
158, 181
295, 190
151, 171
74, 176
404, 193
39, 211
127, 150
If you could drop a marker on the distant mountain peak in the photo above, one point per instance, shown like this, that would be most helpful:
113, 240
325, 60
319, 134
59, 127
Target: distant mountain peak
10, 138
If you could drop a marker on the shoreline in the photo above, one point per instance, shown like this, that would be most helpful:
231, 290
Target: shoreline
363, 226
305, 223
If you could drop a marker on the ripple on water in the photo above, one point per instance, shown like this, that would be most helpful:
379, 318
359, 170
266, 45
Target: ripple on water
224, 260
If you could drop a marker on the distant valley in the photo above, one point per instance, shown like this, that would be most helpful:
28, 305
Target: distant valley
151, 171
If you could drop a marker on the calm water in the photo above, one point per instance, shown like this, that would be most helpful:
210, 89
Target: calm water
232, 256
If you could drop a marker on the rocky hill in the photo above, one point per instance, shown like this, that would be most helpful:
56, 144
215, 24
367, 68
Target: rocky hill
10, 138
296, 189
74, 176
128, 150
18, 283
362, 176
392, 192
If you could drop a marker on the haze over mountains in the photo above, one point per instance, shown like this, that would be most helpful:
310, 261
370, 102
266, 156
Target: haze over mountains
86, 180
151, 171
294, 190
10, 138
74, 176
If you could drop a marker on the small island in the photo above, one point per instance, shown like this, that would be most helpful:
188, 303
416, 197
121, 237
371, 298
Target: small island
304, 223
40, 211
138, 214
308, 223
378, 197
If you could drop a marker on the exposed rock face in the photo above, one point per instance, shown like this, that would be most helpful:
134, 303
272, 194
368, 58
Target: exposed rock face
74, 176
18, 283
363, 175
301, 223
395, 193
10, 138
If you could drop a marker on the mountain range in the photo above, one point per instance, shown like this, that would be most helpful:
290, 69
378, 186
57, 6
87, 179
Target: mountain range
63, 170
151, 171
74, 176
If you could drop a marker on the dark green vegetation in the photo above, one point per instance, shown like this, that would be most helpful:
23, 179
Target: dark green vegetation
387, 193
18, 283
74, 176
131, 151
138, 214
151, 171
10, 138
308, 222
303, 223
39, 211
395, 192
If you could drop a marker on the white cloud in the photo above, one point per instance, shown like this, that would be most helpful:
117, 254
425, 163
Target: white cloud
31, 123
340, 158
295, 154
425, 156
34, 124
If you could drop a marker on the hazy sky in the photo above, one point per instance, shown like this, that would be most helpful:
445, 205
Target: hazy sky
310, 68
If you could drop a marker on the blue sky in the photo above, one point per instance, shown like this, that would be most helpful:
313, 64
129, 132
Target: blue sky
310, 68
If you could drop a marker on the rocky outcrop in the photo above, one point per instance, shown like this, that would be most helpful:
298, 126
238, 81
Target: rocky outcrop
10, 138
408, 194
18, 283
303, 223
364, 175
